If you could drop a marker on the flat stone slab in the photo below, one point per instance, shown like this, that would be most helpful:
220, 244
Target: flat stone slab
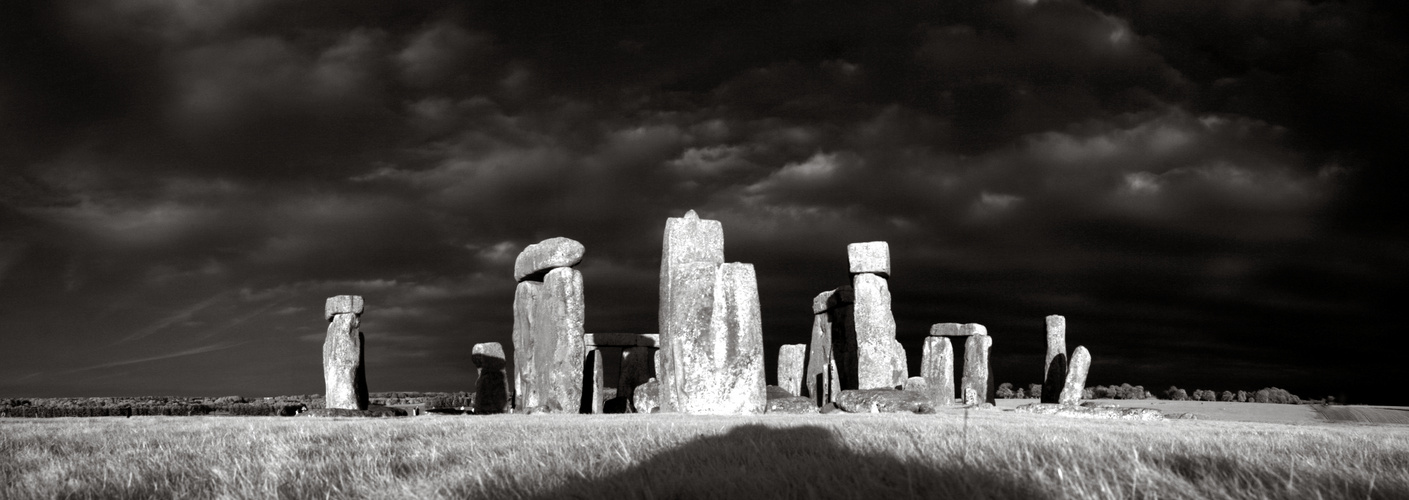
957, 330
342, 304
869, 257
1104, 412
547, 254
381, 411
797, 405
621, 339
884, 401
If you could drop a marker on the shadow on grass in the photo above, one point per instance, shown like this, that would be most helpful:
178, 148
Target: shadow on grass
756, 461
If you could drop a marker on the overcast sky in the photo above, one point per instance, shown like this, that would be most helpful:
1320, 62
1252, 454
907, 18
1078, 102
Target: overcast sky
1212, 193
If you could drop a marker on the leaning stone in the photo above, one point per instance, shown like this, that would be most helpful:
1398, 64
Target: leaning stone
1076, 376
526, 298
350, 304
875, 332
687, 239
547, 254
558, 351
637, 367
790, 367
715, 344
882, 401
793, 404
937, 367
976, 370
491, 387
870, 257
344, 364
1056, 345
646, 397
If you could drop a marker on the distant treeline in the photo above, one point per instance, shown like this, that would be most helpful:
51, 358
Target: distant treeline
1127, 391
223, 405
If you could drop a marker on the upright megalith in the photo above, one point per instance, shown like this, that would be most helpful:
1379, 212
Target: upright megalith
822, 384
1076, 377
491, 386
976, 371
558, 350
687, 239
1056, 379
526, 297
899, 369
344, 367
841, 315
716, 342
875, 332
937, 367
1056, 346
790, 368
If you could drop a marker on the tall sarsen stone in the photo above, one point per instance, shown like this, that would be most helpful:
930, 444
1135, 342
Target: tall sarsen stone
714, 348
344, 362
558, 348
875, 332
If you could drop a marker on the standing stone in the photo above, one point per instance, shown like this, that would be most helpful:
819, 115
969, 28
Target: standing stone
976, 374
937, 367
875, 332
603, 389
841, 314
637, 367
790, 368
526, 298
344, 366
687, 239
1076, 376
558, 349
547, 254
870, 257
899, 369
1056, 379
822, 384
715, 342
1056, 345
491, 386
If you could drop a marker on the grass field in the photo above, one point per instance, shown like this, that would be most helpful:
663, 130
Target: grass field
992, 454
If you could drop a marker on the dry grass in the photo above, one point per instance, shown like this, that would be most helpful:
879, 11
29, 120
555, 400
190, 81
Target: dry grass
1000, 455
1368, 414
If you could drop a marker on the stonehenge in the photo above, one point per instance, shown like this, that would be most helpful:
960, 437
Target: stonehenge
937, 368
976, 385
548, 327
822, 383
1064, 376
620, 362
1075, 382
876, 349
790, 368
344, 362
491, 386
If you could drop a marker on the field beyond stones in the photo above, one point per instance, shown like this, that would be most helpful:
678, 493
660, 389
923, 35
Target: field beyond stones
986, 454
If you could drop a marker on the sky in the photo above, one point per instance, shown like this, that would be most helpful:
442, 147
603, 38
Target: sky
1210, 192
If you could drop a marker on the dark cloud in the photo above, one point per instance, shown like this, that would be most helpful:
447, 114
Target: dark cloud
1207, 191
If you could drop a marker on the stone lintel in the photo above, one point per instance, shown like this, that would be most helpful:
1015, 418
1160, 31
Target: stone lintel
621, 340
957, 330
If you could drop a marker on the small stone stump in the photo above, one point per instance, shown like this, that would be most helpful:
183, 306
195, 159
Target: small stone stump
937, 368
491, 386
344, 365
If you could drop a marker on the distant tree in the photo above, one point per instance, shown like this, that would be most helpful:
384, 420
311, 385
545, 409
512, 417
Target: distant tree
1226, 396
1205, 395
1241, 397
1020, 394
1275, 395
1005, 390
1176, 394
1034, 390
1088, 393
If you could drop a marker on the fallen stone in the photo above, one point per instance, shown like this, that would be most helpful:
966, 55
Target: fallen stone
1102, 412
375, 412
342, 304
547, 254
491, 386
790, 367
637, 367
526, 298
1056, 345
870, 257
875, 332
957, 330
1076, 376
715, 344
937, 367
646, 397
344, 362
882, 401
792, 404
976, 370
558, 351
1054, 381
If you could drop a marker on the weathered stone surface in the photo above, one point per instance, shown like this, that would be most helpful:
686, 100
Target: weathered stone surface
376, 412
558, 351
526, 298
687, 239
937, 367
344, 366
793, 404
899, 368
841, 315
976, 370
715, 344
646, 397
869, 257
917, 384
491, 386
883, 401
612, 339
957, 330
547, 254
791, 367
637, 367
819, 303
1054, 381
351, 304
821, 380
603, 389
1103, 412
1056, 345
875, 332
1076, 376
